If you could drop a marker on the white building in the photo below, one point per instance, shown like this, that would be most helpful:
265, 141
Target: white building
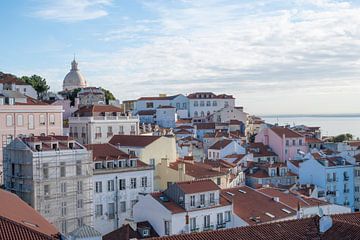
180, 102
224, 148
98, 123
149, 149
53, 175
118, 180
91, 95
203, 104
227, 114
11, 83
185, 207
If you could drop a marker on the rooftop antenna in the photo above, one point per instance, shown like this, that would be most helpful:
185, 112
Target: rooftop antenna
74, 56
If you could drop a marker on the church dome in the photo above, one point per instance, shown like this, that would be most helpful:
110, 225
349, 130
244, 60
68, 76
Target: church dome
74, 79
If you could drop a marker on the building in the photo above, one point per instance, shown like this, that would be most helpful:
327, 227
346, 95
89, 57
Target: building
166, 116
227, 114
225, 147
343, 226
10, 82
132, 230
91, 96
261, 153
129, 105
20, 221
222, 173
53, 174
149, 149
203, 104
24, 116
192, 206
118, 180
285, 142
190, 146
84, 232
74, 79
179, 101
333, 174
357, 182
94, 124
269, 174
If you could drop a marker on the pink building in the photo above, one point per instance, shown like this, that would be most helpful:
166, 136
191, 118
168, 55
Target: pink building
21, 115
283, 141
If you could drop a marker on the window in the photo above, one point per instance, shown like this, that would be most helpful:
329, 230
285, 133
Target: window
202, 103
80, 203
47, 209
63, 209
98, 210
98, 187
293, 142
110, 185
192, 224
98, 165
20, 120
132, 129
196, 114
121, 129
133, 183
79, 188
122, 183
192, 201
149, 105
110, 131
123, 206
62, 169
42, 119
226, 104
208, 103
52, 119
31, 121
45, 170
9, 120
287, 142
196, 103
218, 181
80, 221
167, 227
78, 168
184, 106
63, 188
177, 105
111, 210
152, 161
212, 198
202, 199
220, 218
227, 216
63, 226
202, 114
206, 221
300, 142
46, 191
214, 103
110, 165
144, 182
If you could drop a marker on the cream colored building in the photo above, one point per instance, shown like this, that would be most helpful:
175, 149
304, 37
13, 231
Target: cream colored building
149, 149
224, 174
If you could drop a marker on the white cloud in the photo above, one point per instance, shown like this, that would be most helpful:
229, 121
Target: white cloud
72, 10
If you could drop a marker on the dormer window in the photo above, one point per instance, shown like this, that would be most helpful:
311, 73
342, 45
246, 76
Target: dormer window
71, 145
38, 147
54, 146
110, 164
98, 165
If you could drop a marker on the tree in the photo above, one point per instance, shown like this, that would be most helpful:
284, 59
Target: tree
108, 95
71, 95
38, 83
342, 137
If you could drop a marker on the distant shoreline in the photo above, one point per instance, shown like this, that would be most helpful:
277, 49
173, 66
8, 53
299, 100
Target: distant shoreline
352, 115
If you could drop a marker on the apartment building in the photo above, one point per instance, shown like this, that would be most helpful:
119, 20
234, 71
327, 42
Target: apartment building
24, 116
225, 147
118, 180
94, 124
10, 82
185, 207
203, 104
227, 114
149, 149
285, 142
91, 95
53, 174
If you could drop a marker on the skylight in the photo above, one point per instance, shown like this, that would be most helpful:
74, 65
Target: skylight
242, 191
269, 215
285, 210
230, 193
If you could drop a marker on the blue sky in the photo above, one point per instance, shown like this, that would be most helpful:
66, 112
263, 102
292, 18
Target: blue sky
296, 56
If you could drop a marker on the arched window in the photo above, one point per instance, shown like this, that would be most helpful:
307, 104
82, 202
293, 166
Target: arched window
196, 114
9, 120
202, 114
20, 120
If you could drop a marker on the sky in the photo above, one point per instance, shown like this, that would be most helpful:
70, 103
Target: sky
275, 57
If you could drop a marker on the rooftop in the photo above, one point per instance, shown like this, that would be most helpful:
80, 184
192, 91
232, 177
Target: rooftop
197, 186
106, 151
280, 131
220, 144
133, 140
126, 232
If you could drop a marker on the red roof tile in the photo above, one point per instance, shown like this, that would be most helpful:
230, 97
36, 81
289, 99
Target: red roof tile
197, 186
106, 151
133, 140
98, 108
280, 131
220, 144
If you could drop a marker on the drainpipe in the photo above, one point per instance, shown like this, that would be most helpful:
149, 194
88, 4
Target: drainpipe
116, 202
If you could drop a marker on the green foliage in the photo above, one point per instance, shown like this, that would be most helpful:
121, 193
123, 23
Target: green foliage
38, 83
108, 95
71, 95
342, 137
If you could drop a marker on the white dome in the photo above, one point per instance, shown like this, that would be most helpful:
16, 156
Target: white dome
74, 79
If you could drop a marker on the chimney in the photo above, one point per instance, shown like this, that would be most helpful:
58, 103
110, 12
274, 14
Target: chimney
325, 223
181, 168
164, 162
131, 223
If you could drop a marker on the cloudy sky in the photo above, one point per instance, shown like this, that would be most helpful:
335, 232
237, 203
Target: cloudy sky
274, 56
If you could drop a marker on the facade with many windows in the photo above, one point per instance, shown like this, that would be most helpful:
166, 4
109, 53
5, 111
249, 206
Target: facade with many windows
53, 175
118, 181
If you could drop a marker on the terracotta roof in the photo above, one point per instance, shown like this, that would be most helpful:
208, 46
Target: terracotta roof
158, 98
20, 221
260, 150
312, 140
126, 232
220, 144
204, 126
198, 170
197, 186
290, 199
133, 140
208, 95
10, 79
354, 143
296, 163
280, 131
345, 227
106, 151
98, 108
235, 122
357, 157
166, 107
250, 204
182, 131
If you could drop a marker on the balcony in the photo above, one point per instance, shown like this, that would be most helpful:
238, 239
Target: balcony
220, 225
97, 135
196, 229
208, 228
